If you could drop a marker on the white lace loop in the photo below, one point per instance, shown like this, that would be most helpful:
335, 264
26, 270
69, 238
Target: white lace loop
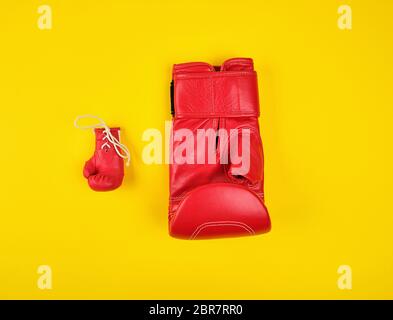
120, 148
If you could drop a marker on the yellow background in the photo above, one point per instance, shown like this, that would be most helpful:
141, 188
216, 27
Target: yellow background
326, 101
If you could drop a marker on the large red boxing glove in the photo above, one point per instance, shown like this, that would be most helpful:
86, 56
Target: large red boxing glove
221, 198
104, 171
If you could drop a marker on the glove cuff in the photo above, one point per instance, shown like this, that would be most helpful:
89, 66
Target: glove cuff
200, 91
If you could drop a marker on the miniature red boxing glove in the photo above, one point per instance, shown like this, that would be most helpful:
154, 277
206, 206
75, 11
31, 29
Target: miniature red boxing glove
212, 193
104, 171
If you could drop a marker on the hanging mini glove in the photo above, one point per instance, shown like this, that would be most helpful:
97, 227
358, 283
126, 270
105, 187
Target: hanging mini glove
105, 169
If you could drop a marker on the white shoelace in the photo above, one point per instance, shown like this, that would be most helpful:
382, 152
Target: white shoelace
120, 148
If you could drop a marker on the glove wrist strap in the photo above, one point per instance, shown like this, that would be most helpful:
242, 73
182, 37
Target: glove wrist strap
215, 94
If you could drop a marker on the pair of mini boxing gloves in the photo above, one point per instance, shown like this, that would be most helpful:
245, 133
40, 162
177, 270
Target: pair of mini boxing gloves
214, 192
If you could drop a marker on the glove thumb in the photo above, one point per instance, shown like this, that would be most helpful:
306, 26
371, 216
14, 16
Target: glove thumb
89, 168
246, 157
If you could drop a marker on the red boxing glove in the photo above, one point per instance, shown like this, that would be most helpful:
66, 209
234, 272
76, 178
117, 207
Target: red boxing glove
221, 198
104, 171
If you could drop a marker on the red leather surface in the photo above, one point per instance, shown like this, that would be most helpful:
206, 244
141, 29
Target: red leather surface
214, 200
220, 209
104, 171
204, 93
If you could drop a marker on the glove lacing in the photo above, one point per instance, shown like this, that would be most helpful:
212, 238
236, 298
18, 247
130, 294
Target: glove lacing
121, 150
